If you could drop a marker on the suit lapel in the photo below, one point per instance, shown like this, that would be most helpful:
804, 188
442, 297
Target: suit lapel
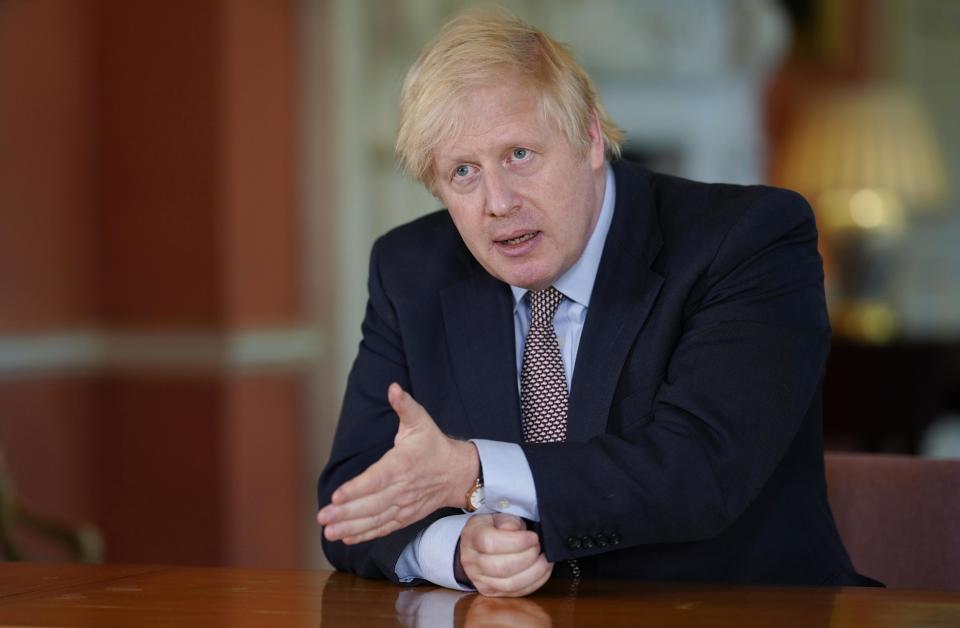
478, 321
623, 295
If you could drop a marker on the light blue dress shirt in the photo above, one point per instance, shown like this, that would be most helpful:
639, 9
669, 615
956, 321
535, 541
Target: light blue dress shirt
507, 479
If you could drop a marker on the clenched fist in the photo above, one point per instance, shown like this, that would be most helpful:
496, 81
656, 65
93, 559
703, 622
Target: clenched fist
501, 557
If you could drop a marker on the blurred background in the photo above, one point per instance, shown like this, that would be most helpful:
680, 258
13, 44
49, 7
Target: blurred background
189, 190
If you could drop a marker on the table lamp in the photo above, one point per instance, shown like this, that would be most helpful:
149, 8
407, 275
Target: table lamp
865, 157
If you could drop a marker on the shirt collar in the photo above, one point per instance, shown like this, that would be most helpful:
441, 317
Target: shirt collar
577, 283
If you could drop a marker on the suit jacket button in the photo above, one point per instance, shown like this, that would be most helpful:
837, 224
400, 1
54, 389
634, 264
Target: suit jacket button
586, 542
614, 538
573, 543
601, 540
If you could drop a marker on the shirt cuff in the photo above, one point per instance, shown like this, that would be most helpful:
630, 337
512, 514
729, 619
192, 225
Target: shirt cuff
430, 555
507, 480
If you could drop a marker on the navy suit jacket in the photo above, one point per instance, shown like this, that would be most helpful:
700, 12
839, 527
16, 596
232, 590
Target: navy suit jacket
694, 448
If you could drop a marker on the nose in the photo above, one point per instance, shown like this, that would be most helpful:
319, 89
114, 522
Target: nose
501, 199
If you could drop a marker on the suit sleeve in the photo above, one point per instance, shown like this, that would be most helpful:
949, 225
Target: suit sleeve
739, 382
366, 430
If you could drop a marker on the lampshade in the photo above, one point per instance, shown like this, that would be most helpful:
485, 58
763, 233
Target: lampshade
863, 156
870, 145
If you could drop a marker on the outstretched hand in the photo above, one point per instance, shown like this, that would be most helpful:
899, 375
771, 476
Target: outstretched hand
424, 471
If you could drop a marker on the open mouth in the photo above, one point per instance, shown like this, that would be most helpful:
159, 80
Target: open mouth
519, 239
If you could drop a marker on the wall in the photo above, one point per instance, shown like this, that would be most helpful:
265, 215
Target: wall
157, 337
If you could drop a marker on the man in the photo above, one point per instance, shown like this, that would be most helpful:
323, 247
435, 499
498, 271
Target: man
636, 358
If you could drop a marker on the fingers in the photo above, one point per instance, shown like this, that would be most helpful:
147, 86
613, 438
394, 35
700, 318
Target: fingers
378, 477
361, 520
361, 508
502, 558
397, 397
498, 565
410, 412
361, 530
503, 521
370, 516
481, 536
354, 519
392, 466
519, 584
365, 501
425, 470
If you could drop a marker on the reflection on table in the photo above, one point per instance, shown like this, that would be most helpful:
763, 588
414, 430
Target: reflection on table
115, 595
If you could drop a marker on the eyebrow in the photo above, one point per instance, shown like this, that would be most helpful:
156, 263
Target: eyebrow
445, 163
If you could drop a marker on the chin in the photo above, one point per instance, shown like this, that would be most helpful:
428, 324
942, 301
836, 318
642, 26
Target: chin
528, 282
522, 277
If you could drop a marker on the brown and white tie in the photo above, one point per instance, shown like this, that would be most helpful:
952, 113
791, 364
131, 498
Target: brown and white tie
543, 383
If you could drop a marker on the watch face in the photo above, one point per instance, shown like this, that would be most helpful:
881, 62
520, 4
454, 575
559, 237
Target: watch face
476, 498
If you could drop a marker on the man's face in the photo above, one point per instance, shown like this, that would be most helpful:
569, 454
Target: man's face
523, 199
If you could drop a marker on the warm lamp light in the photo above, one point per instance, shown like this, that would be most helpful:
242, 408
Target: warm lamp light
866, 138
863, 156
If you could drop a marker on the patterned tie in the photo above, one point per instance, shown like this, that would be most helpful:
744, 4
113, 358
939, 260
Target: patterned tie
543, 384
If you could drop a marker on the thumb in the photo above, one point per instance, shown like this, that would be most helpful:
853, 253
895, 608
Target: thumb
503, 521
410, 412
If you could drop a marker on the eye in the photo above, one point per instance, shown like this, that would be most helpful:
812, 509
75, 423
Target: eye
461, 171
519, 154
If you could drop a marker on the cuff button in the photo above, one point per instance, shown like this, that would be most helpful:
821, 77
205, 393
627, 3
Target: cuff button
573, 543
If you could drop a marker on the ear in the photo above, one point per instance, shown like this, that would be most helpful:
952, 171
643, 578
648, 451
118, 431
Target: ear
596, 152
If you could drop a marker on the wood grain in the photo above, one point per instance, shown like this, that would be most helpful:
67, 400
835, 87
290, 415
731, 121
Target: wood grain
113, 595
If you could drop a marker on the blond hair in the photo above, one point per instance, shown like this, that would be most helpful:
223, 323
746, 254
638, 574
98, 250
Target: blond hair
480, 47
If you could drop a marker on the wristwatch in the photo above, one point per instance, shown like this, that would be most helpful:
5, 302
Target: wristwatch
475, 496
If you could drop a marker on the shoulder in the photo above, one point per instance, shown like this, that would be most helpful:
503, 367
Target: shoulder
695, 220
430, 234
427, 252
685, 206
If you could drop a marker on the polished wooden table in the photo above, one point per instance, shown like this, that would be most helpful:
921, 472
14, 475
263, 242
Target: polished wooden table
112, 595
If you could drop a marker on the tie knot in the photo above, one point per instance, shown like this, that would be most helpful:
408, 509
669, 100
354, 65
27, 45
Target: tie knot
543, 306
